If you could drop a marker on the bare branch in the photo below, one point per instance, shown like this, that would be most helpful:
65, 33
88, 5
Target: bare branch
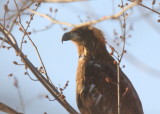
146, 7
12, 16
4, 40
58, 1
16, 84
50, 18
27, 73
5, 11
7, 109
25, 33
115, 16
50, 87
118, 89
150, 9
21, 10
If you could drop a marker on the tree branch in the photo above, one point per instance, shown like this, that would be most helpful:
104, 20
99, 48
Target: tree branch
57, 1
7, 109
115, 16
146, 7
52, 20
21, 10
150, 9
50, 87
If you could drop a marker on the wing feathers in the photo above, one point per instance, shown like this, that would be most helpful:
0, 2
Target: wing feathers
100, 93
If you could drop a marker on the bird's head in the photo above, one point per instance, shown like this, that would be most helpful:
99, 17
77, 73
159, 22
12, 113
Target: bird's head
84, 35
88, 39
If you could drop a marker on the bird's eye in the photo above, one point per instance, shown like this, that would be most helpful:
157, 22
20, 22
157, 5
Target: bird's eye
79, 31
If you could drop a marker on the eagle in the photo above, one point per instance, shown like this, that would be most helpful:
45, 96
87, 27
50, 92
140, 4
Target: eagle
96, 77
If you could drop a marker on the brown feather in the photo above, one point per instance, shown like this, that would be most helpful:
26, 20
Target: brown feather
98, 34
97, 77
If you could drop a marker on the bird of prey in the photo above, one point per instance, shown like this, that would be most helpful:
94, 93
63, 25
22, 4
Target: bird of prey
96, 78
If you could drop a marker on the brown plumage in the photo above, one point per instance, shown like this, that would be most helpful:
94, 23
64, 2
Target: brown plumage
96, 89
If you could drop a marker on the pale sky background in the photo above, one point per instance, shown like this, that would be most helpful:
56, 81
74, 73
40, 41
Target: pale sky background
61, 60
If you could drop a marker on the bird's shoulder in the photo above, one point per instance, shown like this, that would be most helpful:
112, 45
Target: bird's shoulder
100, 70
96, 84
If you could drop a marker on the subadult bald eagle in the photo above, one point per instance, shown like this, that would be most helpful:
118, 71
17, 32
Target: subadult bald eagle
96, 89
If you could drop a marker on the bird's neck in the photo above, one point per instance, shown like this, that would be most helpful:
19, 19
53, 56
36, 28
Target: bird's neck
94, 52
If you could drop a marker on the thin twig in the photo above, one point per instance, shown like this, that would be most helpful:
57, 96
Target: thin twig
123, 26
58, 1
147, 7
27, 73
43, 29
118, 90
12, 25
16, 84
50, 18
28, 24
4, 22
115, 16
150, 9
25, 33
5, 11
9, 30
4, 40
50, 87
39, 56
21, 10
124, 34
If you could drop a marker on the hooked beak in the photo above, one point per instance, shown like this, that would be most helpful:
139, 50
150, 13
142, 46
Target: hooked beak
67, 36
70, 36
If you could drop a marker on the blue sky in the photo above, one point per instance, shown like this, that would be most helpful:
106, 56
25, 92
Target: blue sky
61, 60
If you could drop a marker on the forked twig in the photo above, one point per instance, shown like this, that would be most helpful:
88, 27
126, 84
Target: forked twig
26, 34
